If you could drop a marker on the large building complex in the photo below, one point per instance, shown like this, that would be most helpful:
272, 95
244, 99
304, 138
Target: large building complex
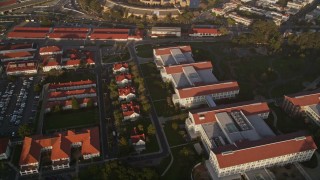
193, 82
238, 140
305, 103
182, 3
58, 149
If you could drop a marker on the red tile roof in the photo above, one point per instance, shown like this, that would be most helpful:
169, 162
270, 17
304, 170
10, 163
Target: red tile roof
69, 84
71, 35
118, 66
17, 54
109, 36
273, 147
165, 51
71, 30
178, 68
111, 30
130, 108
208, 115
7, 2
73, 62
206, 30
126, 90
203, 90
27, 34
137, 138
52, 104
15, 46
121, 77
13, 67
305, 98
4, 142
58, 94
48, 49
61, 145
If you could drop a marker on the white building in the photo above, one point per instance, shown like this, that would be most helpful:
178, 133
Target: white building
235, 136
240, 19
193, 83
21, 68
304, 104
165, 32
120, 68
4, 148
126, 93
172, 56
204, 32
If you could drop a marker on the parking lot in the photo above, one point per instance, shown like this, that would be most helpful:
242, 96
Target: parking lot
18, 104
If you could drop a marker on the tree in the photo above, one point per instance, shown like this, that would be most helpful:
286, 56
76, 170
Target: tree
140, 127
123, 141
25, 130
90, 103
186, 152
117, 117
4, 170
37, 88
56, 108
151, 130
223, 30
75, 104
154, 17
174, 126
146, 107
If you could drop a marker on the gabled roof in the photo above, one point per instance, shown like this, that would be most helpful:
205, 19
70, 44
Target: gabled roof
60, 144
118, 66
197, 66
208, 115
20, 54
4, 143
205, 30
166, 51
203, 90
304, 98
58, 94
48, 49
121, 77
250, 151
21, 66
73, 62
137, 138
70, 84
126, 90
130, 108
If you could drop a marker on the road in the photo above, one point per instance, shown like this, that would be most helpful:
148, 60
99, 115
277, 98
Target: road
102, 112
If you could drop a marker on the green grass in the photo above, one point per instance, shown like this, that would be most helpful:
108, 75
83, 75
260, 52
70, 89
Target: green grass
174, 137
285, 123
154, 82
182, 165
16, 155
117, 58
70, 76
71, 119
151, 145
163, 109
145, 51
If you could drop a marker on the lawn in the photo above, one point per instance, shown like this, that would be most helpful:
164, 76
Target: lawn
286, 124
175, 138
16, 155
70, 76
117, 57
71, 119
154, 82
163, 109
145, 51
183, 163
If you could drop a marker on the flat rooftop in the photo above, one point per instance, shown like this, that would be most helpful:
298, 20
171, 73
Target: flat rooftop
232, 127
